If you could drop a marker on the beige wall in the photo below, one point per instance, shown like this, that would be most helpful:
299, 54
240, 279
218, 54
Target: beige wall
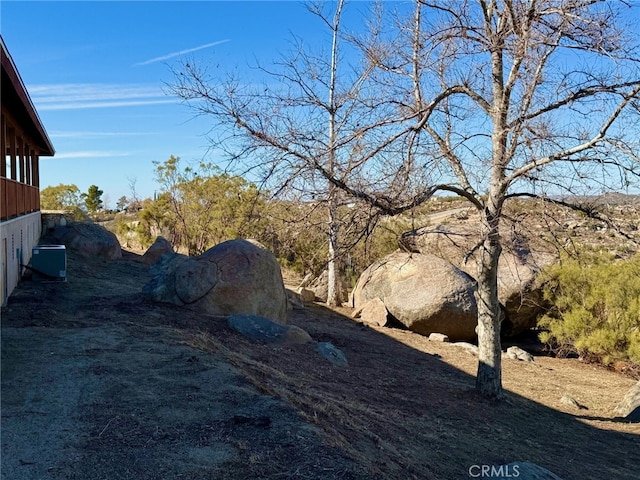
17, 236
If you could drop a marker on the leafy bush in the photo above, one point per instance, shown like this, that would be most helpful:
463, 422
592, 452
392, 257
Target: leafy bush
596, 310
60, 197
201, 208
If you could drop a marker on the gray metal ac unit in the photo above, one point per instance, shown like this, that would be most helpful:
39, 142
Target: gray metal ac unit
49, 263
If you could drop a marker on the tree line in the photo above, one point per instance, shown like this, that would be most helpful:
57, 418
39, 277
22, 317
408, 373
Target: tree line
200, 206
69, 197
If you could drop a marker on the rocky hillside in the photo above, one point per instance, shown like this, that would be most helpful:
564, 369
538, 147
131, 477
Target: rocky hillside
610, 223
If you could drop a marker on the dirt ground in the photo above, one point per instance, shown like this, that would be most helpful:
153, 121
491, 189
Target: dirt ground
100, 383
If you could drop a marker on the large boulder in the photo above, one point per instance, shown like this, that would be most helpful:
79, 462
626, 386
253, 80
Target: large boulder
423, 292
90, 240
237, 276
519, 286
520, 291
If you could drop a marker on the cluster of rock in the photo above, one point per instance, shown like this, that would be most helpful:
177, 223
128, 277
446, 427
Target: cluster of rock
423, 292
239, 279
430, 287
242, 281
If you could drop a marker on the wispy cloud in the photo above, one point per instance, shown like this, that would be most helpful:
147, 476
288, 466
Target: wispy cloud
110, 104
88, 134
90, 154
181, 52
73, 96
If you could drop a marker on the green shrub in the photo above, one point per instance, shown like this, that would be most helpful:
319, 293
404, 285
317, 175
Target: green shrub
76, 214
596, 310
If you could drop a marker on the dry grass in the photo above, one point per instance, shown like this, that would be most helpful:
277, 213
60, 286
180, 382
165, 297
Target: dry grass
404, 408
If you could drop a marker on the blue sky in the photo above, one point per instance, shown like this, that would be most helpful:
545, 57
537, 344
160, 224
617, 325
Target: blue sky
96, 73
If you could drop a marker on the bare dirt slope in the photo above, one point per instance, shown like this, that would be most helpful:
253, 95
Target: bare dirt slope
99, 383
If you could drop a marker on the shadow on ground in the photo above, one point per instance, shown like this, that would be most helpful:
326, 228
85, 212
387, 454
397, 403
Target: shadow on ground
98, 382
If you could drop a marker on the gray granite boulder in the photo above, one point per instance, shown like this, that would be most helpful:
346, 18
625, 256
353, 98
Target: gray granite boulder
320, 288
629, 407
423, 292
237, 276
90, 240
261, 329
519, 284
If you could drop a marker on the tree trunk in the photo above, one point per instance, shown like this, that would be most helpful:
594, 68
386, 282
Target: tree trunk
489, 378
334, 294
333, 271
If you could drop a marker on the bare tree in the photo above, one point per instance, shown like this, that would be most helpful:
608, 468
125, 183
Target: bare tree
307, 124
333, 282
488, 99
134, 203
518, 98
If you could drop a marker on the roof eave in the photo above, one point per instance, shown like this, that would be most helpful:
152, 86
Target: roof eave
9, 67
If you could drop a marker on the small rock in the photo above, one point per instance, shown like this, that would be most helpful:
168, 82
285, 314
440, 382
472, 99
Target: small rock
308, 296
438, 337
333, 354
262, 329
374, 313
469, 347
296, 336
572, 402
256, 328
295, 299
516, 353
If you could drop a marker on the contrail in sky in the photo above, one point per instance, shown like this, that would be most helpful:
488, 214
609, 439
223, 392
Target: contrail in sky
72, 96
181, 52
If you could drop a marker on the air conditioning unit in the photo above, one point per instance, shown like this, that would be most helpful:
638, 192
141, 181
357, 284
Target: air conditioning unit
49, 263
